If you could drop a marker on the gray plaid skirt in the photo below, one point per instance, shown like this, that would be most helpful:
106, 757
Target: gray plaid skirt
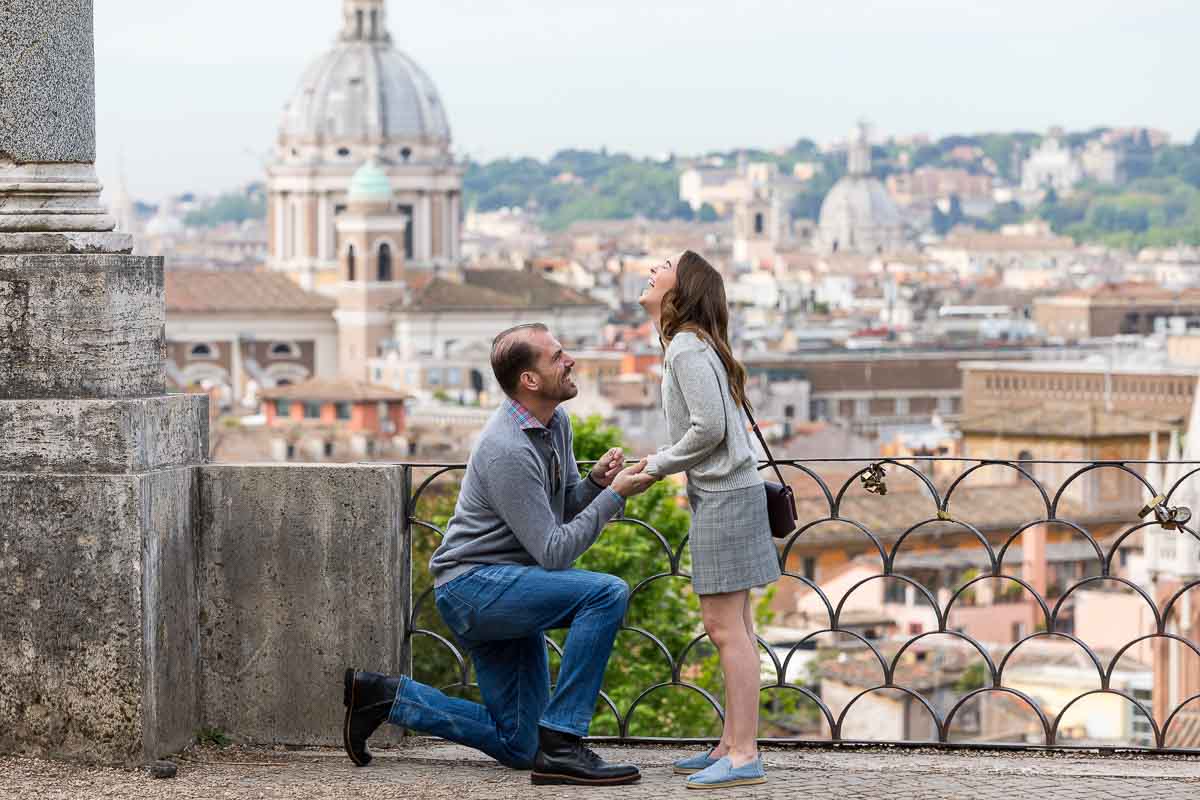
730, 540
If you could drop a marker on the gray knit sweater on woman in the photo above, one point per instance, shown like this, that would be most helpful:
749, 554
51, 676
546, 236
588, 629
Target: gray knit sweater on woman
709, 431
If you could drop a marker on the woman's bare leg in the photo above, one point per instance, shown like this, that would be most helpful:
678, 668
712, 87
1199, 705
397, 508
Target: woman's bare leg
726, 623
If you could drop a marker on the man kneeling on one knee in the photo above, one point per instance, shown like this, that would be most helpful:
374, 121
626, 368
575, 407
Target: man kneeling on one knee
503, 577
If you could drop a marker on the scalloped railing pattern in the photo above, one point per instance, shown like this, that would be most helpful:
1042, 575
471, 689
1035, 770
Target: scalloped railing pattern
942, 508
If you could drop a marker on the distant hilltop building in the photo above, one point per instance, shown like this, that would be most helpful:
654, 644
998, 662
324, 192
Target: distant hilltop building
858, 215
362, 101
724, 188
1053, 165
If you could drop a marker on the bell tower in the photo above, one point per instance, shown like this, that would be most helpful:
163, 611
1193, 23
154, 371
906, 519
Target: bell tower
370, 246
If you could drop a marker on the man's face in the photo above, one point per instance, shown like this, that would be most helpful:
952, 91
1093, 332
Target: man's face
554, 368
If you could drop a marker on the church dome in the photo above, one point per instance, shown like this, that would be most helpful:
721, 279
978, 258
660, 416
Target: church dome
370, 184
858, 215
366, 92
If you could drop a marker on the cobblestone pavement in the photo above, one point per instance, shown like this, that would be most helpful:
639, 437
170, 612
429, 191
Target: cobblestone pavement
428, 769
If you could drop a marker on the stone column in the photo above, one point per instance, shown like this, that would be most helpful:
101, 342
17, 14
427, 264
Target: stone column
424, 228
98, 608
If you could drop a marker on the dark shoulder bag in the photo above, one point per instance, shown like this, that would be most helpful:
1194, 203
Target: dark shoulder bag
781, 500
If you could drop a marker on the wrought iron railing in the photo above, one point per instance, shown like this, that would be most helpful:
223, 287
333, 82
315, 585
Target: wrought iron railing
1130, 680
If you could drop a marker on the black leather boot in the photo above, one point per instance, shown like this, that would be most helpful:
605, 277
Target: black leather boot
563, 758
368, 697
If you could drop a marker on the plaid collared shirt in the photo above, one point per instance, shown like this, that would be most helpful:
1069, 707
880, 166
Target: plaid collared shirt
524, 417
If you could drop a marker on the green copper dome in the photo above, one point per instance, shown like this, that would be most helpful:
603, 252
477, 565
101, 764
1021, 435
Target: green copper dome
370, 184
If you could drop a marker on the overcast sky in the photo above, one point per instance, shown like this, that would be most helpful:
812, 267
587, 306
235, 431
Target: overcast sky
190, 91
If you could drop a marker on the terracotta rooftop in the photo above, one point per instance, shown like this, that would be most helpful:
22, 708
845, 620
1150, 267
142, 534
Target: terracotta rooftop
444, 295
529, 288
1125, 292
1085, 423
988, 508
486, 289
201, 292
334, 391
982, 240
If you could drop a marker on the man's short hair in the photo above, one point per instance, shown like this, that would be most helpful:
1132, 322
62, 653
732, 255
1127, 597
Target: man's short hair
512, 355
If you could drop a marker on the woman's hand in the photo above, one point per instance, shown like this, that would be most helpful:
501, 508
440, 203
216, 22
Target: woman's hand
633, 480
607, 467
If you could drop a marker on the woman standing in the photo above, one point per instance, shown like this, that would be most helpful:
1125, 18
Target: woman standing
704, 392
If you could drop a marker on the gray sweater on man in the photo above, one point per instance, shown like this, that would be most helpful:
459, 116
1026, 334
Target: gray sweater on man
522, 500
709, 431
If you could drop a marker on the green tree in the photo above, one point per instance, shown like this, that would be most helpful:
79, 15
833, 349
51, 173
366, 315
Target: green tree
707, 213
230, 207
943, 223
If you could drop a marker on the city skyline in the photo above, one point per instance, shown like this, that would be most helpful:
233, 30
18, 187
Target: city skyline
180, 114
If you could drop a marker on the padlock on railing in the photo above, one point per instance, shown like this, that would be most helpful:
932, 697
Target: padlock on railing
1169, 518
873, 480
1149, 507
1172, 518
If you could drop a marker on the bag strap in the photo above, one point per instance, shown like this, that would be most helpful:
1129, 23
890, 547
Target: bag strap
763, 441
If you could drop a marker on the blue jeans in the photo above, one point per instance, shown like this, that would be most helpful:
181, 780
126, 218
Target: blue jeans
500, 613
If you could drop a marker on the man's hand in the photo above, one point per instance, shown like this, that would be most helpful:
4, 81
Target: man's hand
607, 467
633, 480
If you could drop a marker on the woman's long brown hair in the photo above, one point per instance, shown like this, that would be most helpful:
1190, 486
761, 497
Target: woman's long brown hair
697, 304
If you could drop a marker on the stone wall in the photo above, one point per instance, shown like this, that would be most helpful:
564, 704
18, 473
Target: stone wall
302, 574
97, 583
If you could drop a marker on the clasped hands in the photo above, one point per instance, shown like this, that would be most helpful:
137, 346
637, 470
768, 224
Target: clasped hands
626, 482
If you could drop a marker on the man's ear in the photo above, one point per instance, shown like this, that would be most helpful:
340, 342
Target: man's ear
530, 380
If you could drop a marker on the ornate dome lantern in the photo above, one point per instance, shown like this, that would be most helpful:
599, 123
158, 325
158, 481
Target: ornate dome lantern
362, 100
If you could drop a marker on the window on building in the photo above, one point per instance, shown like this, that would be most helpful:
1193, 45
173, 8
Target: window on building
350, 265
358, 24
809, 569
329, 449
312, 410
862, 408
902, 407
283, 408
895, 592
759, 223
789, 411
344, 152
1140, 728
284, 350
453, 376
407, 210
342, 410
202, 351
291, 451
378, 373
374, 23
370, 447
433, 376
385, 262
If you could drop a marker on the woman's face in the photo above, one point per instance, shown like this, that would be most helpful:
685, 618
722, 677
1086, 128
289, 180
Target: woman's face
662, 280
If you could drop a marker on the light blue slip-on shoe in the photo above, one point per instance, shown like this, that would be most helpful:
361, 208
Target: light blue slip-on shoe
722, 775
694, 764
